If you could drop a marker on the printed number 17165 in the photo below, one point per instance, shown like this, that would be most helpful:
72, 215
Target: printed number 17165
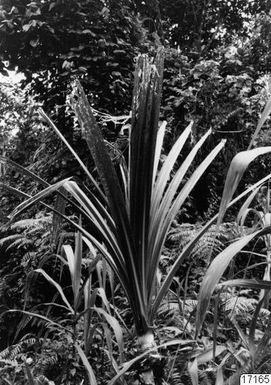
255, 379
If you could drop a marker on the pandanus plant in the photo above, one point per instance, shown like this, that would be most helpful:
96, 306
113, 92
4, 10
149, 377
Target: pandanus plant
132, 210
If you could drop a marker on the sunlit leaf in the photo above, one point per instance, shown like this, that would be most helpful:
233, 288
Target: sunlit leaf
57, 286
266, 112
112, 321
193, 371
236, 170
91, 375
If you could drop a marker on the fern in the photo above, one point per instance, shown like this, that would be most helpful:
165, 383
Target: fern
237, 304
177, 374
212, 242
48, 360
176, 378
36, 223
18, 351
29, 230
7, 362
241, 304
9, 238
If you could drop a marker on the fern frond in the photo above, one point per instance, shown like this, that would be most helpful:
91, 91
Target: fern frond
14, 351
212, 242
37, 223
48, 361
237, 304
9, 238
20, 242
7, 362
176, 377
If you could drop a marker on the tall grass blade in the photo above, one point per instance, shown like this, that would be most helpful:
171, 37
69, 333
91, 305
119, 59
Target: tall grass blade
241, 216
41, 317
57, 286
74, 262
24, 171
266, 112
90, 372
14, 190
91, 248
87, 312
36, 198
108, 338
68, 252
77, 267
248, 283
236, 170
116, 328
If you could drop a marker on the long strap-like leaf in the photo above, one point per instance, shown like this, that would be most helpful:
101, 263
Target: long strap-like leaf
142, 152
236, 170
167, 218
264, 116
161, 208
167, 168
158, 150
